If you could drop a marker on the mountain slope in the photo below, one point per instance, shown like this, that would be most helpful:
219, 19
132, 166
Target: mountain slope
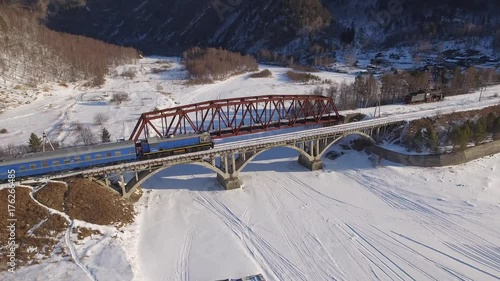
298, 27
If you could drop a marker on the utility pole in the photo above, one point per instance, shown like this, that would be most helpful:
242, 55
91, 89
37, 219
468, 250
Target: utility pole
483, 87
377, 106
46, 139
481, 91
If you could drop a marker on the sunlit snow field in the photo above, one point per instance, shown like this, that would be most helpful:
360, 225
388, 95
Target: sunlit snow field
351, 221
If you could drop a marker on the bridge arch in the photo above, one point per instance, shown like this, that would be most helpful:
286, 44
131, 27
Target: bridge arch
363, 135
248, 160
143, 176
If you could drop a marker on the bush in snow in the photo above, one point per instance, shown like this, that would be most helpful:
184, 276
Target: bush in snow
262, 74
129, 73
101, 118
118, 98
216, 64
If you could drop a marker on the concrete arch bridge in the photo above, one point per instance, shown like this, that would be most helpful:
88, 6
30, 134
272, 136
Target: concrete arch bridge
229, 159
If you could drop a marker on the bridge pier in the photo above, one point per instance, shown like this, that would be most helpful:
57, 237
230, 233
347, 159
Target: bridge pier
229, 182
312, 165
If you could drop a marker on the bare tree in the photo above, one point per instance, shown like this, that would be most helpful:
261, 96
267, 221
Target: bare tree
470, 79
86, 136
456, 85
350, 56
101, 118
77, 126
417, 81
485, 78
347, 97
3, 69
372, 90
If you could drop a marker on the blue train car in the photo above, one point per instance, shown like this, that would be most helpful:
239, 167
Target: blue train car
68, 159
156, 146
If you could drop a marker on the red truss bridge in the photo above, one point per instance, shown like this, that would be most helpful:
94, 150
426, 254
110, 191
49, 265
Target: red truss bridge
237, 116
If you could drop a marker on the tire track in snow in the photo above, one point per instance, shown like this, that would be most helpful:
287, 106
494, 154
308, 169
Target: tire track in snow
278, 207
61, 125
377, 250
322, 205
382, 236
324, 211
311, 258
183, 261
449, 256
264, 255
436, 220
325, 202
314, 191
67, 236
298, 247
372, 252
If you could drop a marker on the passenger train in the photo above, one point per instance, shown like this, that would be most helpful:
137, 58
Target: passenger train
71, 158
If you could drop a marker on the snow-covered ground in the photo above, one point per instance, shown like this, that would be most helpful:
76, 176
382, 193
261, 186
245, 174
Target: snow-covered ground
349, 221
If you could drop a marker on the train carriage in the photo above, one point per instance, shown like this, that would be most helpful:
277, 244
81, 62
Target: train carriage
71, 158
34, 164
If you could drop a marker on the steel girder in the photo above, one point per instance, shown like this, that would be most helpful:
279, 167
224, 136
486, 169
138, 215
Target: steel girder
236, 116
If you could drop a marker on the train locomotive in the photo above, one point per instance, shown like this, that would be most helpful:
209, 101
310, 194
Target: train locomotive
423, 96
80, 157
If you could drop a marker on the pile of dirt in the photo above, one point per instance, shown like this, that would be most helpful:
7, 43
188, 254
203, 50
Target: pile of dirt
87, 201
90, 202
36, 230
52, 195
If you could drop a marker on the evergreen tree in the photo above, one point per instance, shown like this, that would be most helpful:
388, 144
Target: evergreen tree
490, 122
34, 143
460, 136
496, 129
105, 136
417, 142
433, 138
479, 130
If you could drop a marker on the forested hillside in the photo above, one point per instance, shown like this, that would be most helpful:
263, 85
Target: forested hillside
31, 54
297, 27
